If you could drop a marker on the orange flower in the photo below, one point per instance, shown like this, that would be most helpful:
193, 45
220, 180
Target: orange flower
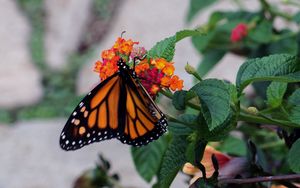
165, 81
154, 89
106, 69
108, 54
159, 63
176, 83
97, 66
124, 46
141, 67
169, 69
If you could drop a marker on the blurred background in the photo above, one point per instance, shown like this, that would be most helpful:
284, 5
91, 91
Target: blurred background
47, 50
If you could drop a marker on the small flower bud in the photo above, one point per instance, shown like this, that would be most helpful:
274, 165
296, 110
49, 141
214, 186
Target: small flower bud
239, 32
252, 110
189, 69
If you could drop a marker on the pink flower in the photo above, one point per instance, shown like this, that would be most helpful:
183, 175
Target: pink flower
239, 32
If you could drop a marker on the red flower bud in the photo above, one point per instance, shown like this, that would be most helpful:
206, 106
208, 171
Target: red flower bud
239, 32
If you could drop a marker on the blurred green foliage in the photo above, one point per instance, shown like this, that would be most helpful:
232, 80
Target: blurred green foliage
59, 86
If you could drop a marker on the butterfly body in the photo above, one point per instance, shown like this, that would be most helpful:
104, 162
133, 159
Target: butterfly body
119, 107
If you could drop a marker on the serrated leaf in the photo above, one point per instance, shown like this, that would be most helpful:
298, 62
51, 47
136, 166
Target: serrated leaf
195, 6
218, 133
295, 114
195, 150
188, 33
147, 159
173, 161
293, 157
179, 99
214, 95
166, 48
275, 93
233, 93
294, 101
181, 128
278, 67
209, 60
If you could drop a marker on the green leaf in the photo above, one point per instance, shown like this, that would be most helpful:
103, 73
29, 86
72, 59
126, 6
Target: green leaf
173, 161
179, 99
209, 60
195, 150
233, 93
262, 33
180, 128
189, 33
166, 48
275, 93
218, 133
278, 67
293, 157
215, 98
285, 45
147, 159
234, 146
294, 100
195, 6
295, 115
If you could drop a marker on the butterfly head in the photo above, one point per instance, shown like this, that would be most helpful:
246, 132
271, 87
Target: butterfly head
123, 67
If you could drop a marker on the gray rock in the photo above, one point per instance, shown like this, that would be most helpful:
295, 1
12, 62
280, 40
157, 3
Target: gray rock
19, 78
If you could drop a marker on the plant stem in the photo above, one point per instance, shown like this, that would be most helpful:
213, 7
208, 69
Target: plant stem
170, 96
260, 179
272, 144
262, 120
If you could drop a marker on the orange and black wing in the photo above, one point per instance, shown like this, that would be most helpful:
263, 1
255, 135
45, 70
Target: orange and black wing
96, 116
144, 122
118, 107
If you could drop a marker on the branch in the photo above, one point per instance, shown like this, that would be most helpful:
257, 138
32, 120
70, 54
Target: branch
260, 179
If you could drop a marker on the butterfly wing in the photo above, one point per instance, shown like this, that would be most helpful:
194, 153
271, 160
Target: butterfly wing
96, 116
118, 107
144, 122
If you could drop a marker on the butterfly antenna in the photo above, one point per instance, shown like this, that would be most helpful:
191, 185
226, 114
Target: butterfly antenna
122, 33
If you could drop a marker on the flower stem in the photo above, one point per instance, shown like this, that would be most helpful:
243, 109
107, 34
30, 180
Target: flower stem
170, 96
263, 120
260, 179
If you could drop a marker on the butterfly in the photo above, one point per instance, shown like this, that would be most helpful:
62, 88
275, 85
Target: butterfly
119, 107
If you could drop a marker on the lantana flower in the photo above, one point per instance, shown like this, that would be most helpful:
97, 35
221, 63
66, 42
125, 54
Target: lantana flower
239, 32
153, 73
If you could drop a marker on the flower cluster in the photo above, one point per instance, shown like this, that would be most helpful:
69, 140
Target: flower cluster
154, 73
239, 32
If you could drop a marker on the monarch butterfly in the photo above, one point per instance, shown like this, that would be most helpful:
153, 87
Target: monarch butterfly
119, 107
